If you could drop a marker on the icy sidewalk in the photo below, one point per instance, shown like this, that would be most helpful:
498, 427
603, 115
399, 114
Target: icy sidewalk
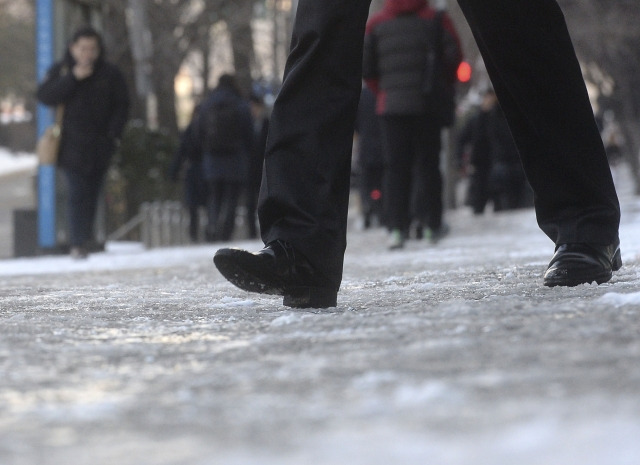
453, 354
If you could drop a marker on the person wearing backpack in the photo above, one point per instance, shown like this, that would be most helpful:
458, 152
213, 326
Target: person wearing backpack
226, 134
305, 191
411, 54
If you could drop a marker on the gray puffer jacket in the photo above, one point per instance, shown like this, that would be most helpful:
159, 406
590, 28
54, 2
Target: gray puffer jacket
398, 42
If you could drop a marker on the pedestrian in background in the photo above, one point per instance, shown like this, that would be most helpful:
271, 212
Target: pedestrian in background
305, 194
226, 135
474, 152
189, 157
507, 182
613, 138
411, 54
495, 170
96, 102
370, 161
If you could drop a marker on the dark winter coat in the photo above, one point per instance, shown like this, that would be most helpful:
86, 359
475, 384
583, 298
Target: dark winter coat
95, 113
503, 147
397, 45
475, 136
506, 168
230, 167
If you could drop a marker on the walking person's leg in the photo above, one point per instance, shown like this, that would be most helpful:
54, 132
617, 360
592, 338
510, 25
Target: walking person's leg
536, 75
214, 205
305, 190
427, 145
195, 196
311, 131
231, 191
398, 182
78, 212
94, 185
252, 210
74, 193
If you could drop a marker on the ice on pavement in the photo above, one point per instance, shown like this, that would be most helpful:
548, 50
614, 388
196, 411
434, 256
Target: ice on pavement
452, 354
619, 300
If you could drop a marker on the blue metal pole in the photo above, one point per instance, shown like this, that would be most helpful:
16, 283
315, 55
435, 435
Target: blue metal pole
46, 173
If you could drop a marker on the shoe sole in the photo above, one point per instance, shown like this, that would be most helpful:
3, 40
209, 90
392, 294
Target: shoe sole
577, 280
242, 270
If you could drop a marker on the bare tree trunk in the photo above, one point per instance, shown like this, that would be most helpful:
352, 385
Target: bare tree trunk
277, 62
241, 32
207, 49
116, 37
163, 82
142, 51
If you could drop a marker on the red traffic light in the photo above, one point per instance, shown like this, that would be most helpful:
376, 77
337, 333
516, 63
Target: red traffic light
464, 72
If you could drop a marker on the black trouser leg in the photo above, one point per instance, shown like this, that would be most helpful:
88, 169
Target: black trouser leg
84, 191
536, 75
399, 163
252, 208
428, 204
413, 181
232, 191
305, 190
214, 206
221, 209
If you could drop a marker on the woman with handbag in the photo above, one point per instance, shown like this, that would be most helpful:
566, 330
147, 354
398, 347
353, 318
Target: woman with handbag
96, 102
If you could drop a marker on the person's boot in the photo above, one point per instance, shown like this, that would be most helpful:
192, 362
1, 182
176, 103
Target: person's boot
277, 269
396, 239
434, 235
78, 253
575, 264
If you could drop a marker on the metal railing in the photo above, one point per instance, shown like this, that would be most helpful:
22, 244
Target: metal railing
161, 224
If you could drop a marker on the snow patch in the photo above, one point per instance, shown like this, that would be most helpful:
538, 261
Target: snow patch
285, 320
620, 300
409, 395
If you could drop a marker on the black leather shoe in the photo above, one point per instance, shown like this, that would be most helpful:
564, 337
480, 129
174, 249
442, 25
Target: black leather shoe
575, 264
277, 270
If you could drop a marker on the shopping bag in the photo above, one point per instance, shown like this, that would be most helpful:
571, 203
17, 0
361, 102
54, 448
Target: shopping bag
49, 143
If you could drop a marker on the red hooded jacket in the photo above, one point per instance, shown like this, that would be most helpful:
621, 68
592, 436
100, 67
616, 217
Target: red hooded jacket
395, 55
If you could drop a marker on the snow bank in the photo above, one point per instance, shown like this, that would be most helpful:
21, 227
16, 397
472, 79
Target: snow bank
16, 162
